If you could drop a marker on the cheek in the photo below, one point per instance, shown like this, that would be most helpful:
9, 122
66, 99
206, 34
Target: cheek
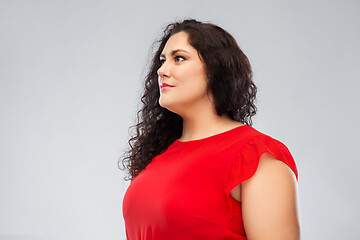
193, 77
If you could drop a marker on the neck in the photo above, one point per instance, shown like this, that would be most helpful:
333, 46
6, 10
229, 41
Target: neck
205, 123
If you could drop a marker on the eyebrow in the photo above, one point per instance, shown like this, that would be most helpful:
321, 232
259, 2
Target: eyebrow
173, 52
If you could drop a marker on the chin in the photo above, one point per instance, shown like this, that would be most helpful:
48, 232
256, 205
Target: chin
171, 106
165, 104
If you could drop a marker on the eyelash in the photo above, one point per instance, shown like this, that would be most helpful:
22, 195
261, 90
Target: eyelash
163, 60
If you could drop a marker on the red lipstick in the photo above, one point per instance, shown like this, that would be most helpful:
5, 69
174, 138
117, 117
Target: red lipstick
164, 86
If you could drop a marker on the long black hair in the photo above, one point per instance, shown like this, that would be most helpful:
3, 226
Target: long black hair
229, 77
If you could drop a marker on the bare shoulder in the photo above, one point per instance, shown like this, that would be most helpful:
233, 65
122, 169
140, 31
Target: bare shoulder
273, 168
270, 201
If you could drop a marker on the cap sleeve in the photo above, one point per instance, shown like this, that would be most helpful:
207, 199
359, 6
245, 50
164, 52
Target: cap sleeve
244, 165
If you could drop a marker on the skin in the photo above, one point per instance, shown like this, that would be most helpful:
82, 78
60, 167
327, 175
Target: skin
269, 197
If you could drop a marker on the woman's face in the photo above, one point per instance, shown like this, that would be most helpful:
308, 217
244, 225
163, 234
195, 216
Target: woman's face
182, 78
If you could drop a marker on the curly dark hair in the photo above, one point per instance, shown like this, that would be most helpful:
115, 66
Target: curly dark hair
229, 77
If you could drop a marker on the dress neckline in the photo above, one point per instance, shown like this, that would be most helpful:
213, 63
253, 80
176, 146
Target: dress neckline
213, 136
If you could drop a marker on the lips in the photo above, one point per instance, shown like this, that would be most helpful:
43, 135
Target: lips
164, 86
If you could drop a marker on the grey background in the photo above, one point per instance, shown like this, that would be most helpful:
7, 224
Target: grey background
70, 82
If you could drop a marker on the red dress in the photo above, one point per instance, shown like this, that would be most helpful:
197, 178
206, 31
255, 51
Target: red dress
184, 193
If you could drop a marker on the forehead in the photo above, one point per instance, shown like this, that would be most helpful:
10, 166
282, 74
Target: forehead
178, 41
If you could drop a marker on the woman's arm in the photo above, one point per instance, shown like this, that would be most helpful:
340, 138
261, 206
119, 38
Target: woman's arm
270, 202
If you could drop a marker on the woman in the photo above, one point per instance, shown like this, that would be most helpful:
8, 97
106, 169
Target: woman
198, 168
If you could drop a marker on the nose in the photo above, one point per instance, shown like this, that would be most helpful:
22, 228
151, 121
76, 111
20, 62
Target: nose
163, 71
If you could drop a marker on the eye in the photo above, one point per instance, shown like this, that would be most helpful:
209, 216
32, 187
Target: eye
179, 57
